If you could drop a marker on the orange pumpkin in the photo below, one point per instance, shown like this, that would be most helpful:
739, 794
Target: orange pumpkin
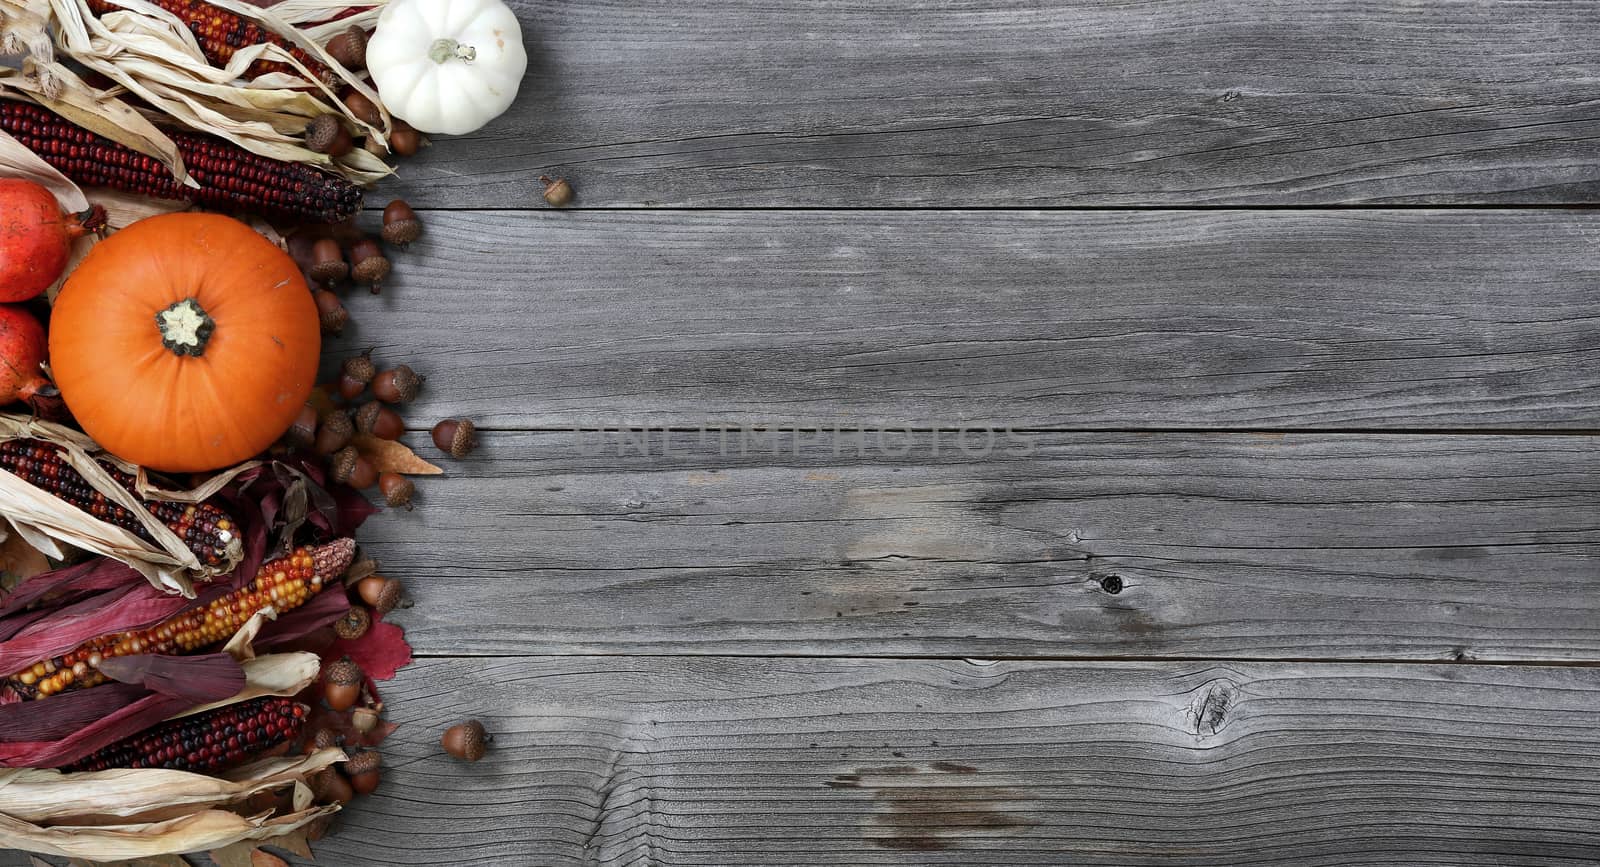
185, 342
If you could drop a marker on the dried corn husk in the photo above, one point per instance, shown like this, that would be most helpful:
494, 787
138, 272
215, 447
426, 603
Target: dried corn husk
150, 53
41, 517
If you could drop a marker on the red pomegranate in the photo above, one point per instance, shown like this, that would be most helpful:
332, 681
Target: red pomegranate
22, 350
36, 238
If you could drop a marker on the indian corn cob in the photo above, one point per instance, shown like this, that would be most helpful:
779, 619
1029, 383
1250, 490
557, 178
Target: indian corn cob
220, 33
230, 177
204, 528
285, 584
216, 740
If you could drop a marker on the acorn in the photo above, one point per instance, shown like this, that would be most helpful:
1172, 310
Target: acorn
354, 375
349, 47
333, 432
350, 467
365, 719
328, 786
380, 421
341, 684
324, 738
326, 135
330, 312
363, 771
303, 433
400, 224
456, 437
327, 263
404, 139
368, 266
397, 490
353, 624
363, 108
397, 385
466, 741
383, 594
556, 191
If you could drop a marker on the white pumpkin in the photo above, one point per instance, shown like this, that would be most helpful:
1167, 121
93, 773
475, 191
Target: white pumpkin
447, 66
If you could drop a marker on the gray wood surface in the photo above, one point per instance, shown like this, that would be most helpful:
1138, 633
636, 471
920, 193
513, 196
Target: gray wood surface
959, 103
628, 761
1262, 546
1259, 319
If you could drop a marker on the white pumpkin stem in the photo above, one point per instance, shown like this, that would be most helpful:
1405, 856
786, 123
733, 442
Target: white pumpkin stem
445, 50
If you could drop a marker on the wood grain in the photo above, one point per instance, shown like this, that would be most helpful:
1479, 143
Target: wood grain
737, 761
955, 103
1319, 320
1260, 546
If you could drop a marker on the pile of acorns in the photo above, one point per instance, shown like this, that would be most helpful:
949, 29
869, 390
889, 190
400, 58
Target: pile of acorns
348, 254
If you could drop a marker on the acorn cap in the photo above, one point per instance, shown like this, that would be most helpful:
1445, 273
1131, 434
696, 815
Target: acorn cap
323, 132
329, 265
367, 416
466, 741
402, 232
344, 673
362, 762
390, 598
353, 624
360, 367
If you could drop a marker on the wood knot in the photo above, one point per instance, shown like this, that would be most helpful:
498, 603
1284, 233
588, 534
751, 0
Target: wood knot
1211, 709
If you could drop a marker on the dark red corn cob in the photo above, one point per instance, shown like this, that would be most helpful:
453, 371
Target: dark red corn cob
230, 177
286, 584
204, 528
221, 33
205, 742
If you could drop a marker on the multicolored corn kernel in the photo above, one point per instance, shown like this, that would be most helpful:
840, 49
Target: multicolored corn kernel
221, 33
207, 530
216, 740
285, 584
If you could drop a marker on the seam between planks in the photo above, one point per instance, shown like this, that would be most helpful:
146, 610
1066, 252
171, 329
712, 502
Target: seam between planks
986, 659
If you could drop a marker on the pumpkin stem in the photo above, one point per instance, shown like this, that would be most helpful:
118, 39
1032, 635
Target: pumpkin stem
185, 328
444, 50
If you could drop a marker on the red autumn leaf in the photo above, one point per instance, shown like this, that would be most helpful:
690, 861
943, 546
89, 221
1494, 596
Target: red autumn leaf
380, 653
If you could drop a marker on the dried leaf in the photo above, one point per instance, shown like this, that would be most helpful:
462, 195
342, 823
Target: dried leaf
16, 161
294, 843
19, 560
261, 858
380, 652
234, 855
392, 456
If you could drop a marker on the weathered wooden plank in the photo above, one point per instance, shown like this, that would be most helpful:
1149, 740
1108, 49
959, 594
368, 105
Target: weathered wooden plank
957, 103
739, 761
1258, 546
1075, 320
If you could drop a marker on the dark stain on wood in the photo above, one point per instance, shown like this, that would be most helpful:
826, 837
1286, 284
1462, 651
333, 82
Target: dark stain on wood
1211, 711
929, 809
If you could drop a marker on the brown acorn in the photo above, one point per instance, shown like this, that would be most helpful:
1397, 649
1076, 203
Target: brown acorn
353, 624
327, 135
330, 312
456, 437
383, 594
303, 433
350, 47
404, 139
397, 490
556, 191
363, 770
334, 431
379, 420
328, 786
397, 385
341, 684
400, 224
467, 741
350, 467
368, 265
324, 738
363, 108
327, 263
